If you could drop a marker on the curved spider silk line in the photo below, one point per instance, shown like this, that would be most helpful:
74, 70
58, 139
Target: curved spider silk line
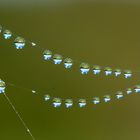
20, 43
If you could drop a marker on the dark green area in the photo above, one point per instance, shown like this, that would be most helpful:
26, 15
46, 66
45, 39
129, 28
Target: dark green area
102, 34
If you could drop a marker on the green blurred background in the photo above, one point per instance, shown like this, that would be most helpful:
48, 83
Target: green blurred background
99, 32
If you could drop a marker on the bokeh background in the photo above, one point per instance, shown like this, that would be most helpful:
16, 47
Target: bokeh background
103, 32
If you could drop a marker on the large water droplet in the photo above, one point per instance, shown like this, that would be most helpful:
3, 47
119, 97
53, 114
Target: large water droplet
19, 43
57, 58
7, 34
68, 103
57, 102
119, 95
137, 88
68, 63
84, 68
117, 72
96, 69
127, 74
129, 91
47, 54
108, 71
82, 103
107, 98
96, 100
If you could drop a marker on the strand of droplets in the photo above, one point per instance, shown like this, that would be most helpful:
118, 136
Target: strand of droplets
20, 43
57, 102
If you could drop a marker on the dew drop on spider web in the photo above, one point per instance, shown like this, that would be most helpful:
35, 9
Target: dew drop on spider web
19, 43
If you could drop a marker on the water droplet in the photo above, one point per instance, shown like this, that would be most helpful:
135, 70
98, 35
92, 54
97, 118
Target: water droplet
108, 71
107, 98
119, 95
82, 103
137, 88
129, 91
46, 97
96, 100
68, 103
57, 58
19, 43
96, 69
7, 34
84, 68
68, 63
47, 54
2, 86
127, 74
117, 72
57, 102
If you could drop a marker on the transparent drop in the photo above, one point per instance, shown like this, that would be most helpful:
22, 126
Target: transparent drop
7, 34
68, 62
129, 91
96, 70
46, 97
84, 68
47, 54
108, 71
2, 86
107, 98
119, 95
82, 103
96, 100
137, 88
57, 102
19, 43
117, 72
127, 74
57, 58
68, 103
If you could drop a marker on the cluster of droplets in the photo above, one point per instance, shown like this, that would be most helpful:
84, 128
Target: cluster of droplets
57, 102
84, 67
19, 42
57, 59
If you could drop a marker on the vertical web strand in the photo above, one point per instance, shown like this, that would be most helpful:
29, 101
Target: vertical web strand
19, 116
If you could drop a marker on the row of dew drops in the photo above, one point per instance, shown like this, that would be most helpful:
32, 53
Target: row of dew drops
20, 43
57, 102
84, 67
